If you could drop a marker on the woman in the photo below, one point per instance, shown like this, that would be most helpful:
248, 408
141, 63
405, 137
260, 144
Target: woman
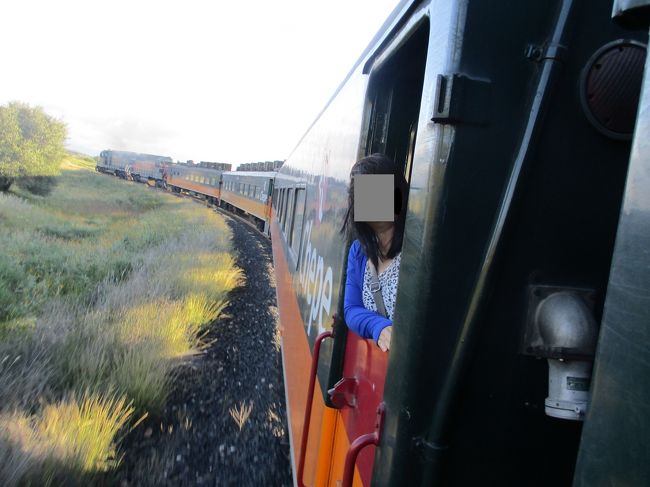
374, 256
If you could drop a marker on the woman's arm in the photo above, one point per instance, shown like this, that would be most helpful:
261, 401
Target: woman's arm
365, 323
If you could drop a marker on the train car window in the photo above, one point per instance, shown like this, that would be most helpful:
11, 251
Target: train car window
394, 94
298, 217
287, 212
258, 192
283, 203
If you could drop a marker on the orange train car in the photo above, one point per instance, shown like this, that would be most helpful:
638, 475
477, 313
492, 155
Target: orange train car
200, 181
249, 194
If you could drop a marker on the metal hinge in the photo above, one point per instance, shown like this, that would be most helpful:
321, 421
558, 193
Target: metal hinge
538, 53
460, 99
344, 393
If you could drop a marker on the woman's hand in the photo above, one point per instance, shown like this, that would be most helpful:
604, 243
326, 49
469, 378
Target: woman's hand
384, 338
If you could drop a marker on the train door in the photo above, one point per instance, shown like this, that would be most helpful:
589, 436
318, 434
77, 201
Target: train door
392, 111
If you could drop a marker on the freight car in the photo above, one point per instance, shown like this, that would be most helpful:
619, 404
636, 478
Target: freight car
524, 263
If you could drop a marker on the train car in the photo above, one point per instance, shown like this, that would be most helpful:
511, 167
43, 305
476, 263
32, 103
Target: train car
132, 165
203, 182
249, 194
524, 262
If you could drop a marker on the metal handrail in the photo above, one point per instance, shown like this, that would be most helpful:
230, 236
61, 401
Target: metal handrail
310, 400
359, 444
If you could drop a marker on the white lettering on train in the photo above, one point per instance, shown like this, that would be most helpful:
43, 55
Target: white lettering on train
315, 282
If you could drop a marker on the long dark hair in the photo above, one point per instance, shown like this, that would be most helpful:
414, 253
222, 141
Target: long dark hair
378, 164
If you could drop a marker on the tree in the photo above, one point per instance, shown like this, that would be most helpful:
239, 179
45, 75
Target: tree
31, 143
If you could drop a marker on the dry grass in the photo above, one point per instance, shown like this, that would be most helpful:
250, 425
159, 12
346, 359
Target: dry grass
70, 436
103, 286
241, 413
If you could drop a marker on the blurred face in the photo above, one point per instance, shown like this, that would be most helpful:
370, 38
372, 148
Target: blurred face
374, 200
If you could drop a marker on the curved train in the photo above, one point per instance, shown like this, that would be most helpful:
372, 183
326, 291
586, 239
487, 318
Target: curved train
521, 342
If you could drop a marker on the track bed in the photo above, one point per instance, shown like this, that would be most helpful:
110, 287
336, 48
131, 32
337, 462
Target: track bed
196, 441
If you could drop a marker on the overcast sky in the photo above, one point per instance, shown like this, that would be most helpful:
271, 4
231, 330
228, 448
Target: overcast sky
235, 81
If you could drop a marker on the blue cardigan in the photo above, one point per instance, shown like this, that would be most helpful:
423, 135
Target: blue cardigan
365, 323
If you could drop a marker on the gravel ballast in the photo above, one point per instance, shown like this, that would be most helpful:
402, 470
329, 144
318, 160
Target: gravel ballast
196, 440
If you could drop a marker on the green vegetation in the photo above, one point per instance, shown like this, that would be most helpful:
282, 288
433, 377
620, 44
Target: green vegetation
104, 285
31, 147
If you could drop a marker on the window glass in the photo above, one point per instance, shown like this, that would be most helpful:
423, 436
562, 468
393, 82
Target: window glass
281, 206
287, 213
298, 216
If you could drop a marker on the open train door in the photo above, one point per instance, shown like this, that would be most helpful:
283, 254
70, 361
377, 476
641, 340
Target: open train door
392, 113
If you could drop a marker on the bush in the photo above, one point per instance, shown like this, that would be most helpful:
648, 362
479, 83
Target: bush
32, 143
38, 185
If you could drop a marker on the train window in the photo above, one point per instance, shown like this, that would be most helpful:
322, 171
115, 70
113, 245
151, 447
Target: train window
298, 216
394, 94
257, 192
287, 212
283, 195
241, 188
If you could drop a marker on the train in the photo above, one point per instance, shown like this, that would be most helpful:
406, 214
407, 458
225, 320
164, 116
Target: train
521, 345
245, 191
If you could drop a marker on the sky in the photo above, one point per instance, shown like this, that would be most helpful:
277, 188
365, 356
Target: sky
237, 81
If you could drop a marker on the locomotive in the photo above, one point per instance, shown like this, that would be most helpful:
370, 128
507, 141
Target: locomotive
520, 348
521, 343
132, 165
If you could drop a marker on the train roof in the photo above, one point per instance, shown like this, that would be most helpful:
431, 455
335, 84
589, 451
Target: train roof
136, 154
259, 174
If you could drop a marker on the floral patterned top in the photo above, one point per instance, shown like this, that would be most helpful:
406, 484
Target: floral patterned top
388, 280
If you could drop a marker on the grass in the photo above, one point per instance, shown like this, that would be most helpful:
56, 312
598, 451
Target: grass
104, 285
67, 438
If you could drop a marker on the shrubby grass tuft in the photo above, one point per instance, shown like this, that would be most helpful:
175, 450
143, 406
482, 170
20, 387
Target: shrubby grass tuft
104, 286
67, 442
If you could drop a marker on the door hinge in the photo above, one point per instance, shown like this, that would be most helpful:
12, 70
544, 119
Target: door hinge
460, 99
